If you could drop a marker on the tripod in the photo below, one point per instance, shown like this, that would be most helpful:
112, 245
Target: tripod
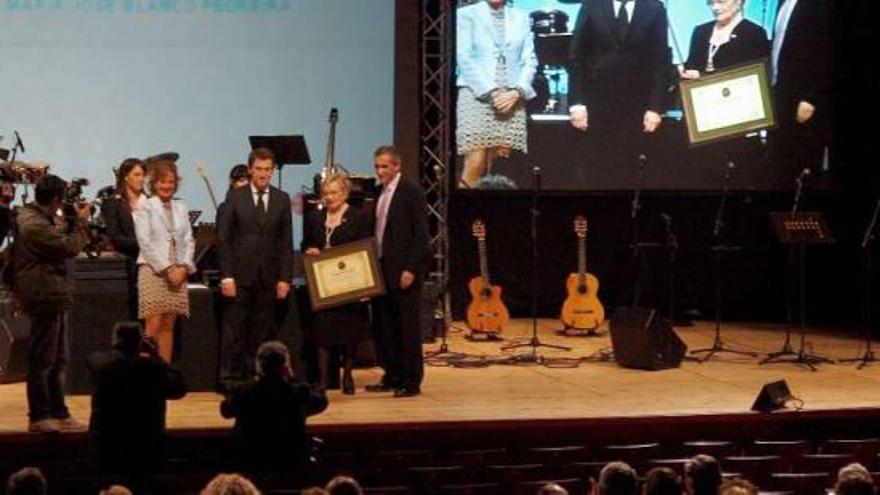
534, 342
797, 230
718, 250
867, 260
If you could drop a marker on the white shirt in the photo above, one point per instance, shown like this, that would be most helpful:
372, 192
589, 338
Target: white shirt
779, 34
382, 209
256, 197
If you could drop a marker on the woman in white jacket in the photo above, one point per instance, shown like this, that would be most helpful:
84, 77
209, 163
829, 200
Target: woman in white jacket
166, 257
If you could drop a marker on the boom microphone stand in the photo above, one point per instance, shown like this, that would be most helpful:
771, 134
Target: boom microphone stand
867, 257
534, 343
719, 249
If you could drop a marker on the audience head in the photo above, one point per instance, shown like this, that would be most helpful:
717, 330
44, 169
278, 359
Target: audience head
661, 481
128, 336
617, 478
702, 475
344, 485
273, 360
27, 481
552, 489
115, 490
854, 479
737, 487
50, 189
230, 484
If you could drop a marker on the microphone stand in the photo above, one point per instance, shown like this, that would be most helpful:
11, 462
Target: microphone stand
867, 260
671, 252
638, 259
534, 342
718, 251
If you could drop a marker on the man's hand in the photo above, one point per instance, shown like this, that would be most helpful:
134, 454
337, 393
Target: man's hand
505, 101
313, 251
406, 279
281, 290
579, 118
651, 121
805, 111
688, 74
228, 288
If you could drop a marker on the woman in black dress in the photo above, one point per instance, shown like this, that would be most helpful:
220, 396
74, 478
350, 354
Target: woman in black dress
336, 224
727, 41
117, 214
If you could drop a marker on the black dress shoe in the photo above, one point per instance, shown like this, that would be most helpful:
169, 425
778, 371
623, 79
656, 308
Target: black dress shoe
347, 384
378, 387
407, 392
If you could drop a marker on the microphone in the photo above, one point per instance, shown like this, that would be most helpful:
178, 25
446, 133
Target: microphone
19, 142
643, 161
666, 218
805, 173
536, 173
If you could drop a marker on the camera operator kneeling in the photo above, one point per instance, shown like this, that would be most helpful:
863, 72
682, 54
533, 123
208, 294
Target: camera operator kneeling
42, 286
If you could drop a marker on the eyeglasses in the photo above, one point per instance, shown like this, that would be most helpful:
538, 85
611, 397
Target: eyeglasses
717, 2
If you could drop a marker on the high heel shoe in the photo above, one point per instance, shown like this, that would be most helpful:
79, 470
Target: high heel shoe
347, 384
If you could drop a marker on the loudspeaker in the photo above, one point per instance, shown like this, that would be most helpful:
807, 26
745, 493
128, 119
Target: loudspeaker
15, 335
773, 396
641, 339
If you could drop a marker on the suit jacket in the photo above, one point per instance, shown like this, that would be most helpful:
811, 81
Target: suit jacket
270, 419
251, 251
120, 226
154, 235
405, 240
619, 81
355, 225
804, 64
477, 52
748, 43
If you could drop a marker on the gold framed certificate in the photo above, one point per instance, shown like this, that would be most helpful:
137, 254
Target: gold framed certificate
343, 274
727, 104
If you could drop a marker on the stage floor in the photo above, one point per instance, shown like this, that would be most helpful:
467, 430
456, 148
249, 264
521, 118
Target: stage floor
727, 384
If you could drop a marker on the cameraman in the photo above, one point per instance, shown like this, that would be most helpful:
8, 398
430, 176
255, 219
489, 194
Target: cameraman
132, 383
40, 282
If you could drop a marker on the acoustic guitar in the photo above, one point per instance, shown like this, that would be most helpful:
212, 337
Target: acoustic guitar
582, 309
486, 313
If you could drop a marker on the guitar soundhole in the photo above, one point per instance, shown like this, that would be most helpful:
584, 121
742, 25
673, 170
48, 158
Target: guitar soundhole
486, 293
582, 289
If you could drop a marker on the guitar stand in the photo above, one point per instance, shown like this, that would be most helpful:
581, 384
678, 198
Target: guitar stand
474, 336
578, 332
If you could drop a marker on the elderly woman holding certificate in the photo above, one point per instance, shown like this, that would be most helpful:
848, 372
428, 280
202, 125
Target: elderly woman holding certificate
727, 41
340, 327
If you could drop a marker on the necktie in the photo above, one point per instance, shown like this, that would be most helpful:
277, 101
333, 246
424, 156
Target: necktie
261, 205
622, 21
381, 216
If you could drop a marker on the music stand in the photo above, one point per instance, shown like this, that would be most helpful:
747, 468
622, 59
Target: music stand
288, 150
797, 230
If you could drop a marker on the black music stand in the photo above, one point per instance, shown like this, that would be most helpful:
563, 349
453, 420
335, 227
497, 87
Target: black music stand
798, 230
867, 272
288, 150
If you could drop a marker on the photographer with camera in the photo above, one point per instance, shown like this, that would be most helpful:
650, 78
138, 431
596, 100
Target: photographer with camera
39, 279
132, 383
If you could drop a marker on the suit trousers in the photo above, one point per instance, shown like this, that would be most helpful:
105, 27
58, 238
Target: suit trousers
248, 321
47, 357
398, 338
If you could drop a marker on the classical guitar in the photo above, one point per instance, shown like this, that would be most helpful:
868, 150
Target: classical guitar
582, 309
486, 313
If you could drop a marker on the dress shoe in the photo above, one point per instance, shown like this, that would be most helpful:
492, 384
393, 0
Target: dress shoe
70, 424
347, 384
378, 387
407, 392
47, 425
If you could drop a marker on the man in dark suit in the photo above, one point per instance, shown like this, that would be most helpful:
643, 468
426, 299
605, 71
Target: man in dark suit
132, 383
402, 237
256, 261
619, 64
801, 75
270, 412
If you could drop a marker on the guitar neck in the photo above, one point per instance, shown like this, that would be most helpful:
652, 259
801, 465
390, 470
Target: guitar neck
484, 262
582, 258
210, 191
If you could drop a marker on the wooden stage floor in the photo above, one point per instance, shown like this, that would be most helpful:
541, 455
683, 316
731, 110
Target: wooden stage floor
724, 385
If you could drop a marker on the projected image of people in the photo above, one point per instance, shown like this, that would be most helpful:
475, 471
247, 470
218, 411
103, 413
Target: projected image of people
591, 92
496, 65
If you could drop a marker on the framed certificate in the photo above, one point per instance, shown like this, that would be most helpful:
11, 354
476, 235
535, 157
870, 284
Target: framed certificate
727, 104
343, 274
